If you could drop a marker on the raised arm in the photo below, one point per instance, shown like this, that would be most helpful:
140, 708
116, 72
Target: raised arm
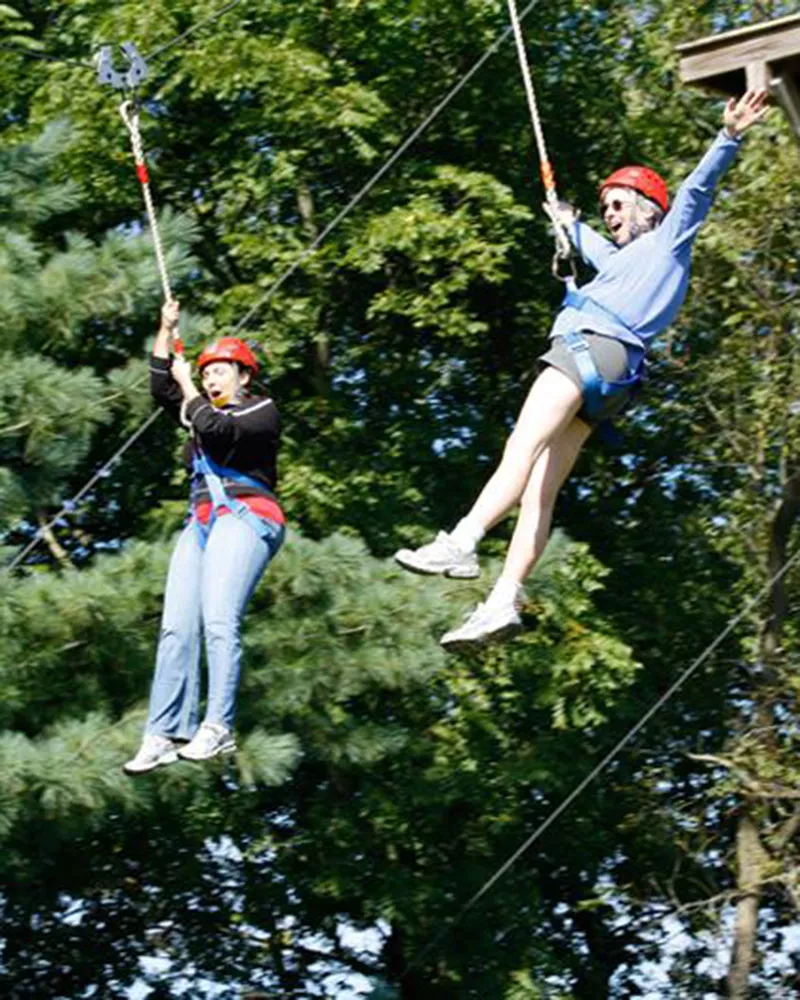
163, 387
695, 196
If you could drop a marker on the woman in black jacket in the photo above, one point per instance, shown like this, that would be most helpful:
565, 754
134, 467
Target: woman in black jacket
235, 528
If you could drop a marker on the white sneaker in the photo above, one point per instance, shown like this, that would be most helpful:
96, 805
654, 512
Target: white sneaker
441, 555
154, 751
209, 741
487, 623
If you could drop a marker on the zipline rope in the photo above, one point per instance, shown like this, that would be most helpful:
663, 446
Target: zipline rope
311, 249
33, 54
70, 505
46, 56
564, 248
190, 31
609, 757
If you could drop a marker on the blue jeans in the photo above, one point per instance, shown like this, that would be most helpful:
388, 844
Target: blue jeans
207, 589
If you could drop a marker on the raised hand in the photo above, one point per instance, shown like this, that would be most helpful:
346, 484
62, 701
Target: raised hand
740, 115
182, 372
563, 215
170, 315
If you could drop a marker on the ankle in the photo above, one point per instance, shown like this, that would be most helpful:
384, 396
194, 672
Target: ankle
467, 534
506, 591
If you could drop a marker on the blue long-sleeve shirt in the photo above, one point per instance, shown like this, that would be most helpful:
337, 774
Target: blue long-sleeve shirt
643, 284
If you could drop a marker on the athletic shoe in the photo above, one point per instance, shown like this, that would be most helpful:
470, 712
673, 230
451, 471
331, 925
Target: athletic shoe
487, 623
440, 556
154, 752
209, 741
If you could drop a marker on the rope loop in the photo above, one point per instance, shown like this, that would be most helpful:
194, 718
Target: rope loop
555, 267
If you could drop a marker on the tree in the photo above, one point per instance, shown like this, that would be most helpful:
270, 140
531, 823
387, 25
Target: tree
66, 302
375, 789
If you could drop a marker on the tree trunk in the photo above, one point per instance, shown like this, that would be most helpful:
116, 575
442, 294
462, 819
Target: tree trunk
750, 856
57, 550
750, 853
320, 346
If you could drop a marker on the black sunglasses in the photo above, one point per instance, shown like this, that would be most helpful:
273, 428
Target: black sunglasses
615, 203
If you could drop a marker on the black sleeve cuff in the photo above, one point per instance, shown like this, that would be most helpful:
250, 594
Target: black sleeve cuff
160, 364
196, 404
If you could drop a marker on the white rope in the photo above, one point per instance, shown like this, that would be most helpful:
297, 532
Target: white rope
545, 167
70, 505
130, 115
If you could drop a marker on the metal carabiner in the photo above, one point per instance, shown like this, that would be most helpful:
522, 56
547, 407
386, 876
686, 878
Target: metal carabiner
555, 267
128, 80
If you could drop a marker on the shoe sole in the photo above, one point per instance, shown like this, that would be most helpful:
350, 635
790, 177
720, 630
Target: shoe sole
228, 748
466, 645
452, 574
161, 762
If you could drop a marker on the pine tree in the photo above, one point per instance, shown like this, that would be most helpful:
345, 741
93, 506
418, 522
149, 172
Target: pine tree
376, 780
68, 304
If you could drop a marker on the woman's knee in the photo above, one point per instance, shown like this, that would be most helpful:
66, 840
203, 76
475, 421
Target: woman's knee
521, 449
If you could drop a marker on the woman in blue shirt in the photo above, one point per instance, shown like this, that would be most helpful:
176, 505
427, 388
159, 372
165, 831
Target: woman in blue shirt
641, 282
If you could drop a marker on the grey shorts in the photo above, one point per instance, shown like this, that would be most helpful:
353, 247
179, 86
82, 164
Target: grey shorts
611, 358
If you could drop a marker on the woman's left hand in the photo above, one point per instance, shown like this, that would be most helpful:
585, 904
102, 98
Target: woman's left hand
740, 115
182, 373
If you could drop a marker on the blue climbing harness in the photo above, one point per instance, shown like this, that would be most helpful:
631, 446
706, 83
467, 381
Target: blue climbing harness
214, 474
595, 388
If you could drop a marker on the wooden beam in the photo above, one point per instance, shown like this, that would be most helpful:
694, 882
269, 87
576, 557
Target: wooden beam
757, 75
770, 42
787, 92
764, 56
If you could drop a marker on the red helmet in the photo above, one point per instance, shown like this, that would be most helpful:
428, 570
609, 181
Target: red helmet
228, 349
641, 179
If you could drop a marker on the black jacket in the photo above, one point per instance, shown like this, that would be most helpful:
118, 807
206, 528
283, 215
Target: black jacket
242, 436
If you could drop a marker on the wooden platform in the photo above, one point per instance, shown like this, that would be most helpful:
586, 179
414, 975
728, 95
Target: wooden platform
761, 55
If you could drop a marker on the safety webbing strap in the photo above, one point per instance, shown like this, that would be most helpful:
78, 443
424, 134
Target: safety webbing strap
594, 387
213, 475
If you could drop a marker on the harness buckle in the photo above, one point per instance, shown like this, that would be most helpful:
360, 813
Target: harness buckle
576, 341
119, 80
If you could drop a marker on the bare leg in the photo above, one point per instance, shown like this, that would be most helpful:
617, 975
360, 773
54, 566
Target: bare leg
536, 512
549, 409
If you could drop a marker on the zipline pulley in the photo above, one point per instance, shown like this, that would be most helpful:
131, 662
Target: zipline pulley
131, 78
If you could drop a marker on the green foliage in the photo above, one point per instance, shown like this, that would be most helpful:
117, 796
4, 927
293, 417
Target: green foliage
378, 785
387, 712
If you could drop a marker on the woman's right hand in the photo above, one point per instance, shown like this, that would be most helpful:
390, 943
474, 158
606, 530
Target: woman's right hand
562, 214
170, 315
